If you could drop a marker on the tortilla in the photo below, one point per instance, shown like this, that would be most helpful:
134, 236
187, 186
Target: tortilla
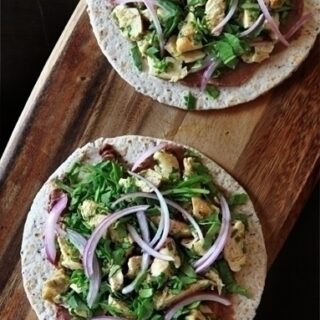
279, 67
36, 269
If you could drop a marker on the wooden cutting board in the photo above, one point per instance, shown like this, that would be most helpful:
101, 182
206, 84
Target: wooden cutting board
271, 145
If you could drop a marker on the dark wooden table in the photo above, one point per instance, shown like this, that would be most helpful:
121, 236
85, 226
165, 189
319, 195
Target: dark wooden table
73, 103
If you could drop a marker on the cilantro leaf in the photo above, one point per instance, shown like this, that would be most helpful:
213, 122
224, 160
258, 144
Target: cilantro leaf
213, 92
190, 101
136, 56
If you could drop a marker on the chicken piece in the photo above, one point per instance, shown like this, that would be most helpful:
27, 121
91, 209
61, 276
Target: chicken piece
178, 229
261, 52
88, 209
173, 73
187, 165
216, 280
195, 315
152, 176
134, 265
121, 308
196, 245
214, 14
56, 285
129, 21
202, 209
70, 257
276, 4
187, 57
116, 280
167, 164
234, 250
159, 266
164, 298
145, 43
96, 220
186, 40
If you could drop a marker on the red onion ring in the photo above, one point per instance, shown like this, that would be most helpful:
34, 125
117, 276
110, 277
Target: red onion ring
305, 18
226, 19
95, 280
208, 73
143, 224
272, 23
146, 247
164, 225
184, 212
99, 231
51, 226
196, 298
253, 27
213, 253
146, 155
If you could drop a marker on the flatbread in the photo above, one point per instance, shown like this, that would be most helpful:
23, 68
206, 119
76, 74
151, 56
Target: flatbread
36, 269
280, 66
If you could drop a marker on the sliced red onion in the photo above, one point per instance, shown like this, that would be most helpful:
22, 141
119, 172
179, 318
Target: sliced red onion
205, 63
195, 298
151, 6
184, 212
146, 155
95, 280
146, 247
305, 18
226, 19
143, 224
51, 226
208, 73
98, 233
213, 253
164, 225
272, 23
253, 27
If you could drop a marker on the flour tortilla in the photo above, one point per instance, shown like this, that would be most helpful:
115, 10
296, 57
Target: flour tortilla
117, 49
36, 269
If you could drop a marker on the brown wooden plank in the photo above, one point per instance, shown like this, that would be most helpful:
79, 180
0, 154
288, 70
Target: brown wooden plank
271, 145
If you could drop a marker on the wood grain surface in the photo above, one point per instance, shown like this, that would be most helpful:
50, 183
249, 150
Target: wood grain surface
270, 145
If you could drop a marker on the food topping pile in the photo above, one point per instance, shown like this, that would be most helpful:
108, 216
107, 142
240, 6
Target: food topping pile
156, 240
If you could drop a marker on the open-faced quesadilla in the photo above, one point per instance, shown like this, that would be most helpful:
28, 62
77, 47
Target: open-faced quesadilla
140, 228
204, 54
